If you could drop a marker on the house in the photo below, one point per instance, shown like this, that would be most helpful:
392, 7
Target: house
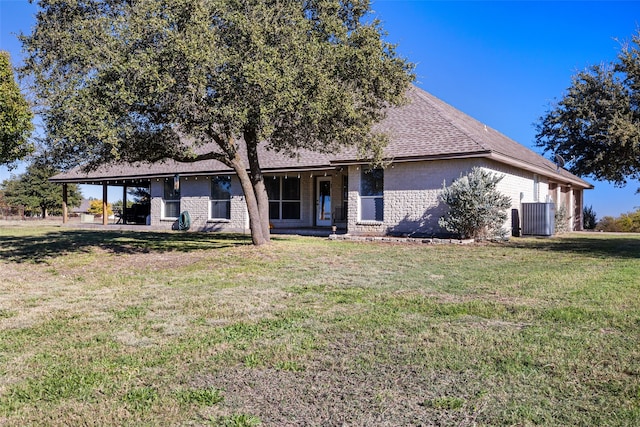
430, 143
82, 209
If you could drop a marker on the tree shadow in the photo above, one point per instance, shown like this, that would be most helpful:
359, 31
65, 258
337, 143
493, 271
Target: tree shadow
39, 248
425, 225
599, 245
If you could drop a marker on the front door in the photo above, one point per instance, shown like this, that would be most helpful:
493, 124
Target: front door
323, 202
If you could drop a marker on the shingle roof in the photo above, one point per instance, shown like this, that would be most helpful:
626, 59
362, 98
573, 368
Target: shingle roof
425, 128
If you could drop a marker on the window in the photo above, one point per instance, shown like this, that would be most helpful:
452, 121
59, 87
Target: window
372, 195
172, 198
341, 210
284, 197
220, 197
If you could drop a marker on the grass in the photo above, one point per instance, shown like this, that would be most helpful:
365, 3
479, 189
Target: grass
126, 328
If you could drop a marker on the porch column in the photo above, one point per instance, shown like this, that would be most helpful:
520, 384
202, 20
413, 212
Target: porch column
65, 212
105, 216
578, 223
124, 203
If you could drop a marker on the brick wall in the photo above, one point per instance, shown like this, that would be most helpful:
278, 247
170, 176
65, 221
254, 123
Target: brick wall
411, 198
195, 199
412, 194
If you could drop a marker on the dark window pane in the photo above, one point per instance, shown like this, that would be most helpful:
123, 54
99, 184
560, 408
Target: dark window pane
379, 209
290, 210
291, 189
372, 182
273, 187
221, 188
345, 187
221, 209
172, 209
170, 192
372, 209
274, 210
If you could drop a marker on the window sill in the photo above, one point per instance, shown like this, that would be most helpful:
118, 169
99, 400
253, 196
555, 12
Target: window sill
169, 219
218, 221
369, 222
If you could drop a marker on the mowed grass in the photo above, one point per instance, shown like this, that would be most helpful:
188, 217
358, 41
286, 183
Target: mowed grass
141, 328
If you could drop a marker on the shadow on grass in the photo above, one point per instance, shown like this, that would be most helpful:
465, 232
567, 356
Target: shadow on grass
599, 245
38, 248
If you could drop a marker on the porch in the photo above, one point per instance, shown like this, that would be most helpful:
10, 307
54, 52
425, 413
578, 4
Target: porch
294, 231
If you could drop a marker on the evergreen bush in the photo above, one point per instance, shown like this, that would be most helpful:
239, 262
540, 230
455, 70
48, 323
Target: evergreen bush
476, 208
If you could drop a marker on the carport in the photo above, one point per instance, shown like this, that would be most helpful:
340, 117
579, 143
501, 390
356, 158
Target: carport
129, 215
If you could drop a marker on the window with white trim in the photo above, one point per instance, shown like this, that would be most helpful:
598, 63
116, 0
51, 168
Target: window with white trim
171, 198
284, 197
372, 195
220, 202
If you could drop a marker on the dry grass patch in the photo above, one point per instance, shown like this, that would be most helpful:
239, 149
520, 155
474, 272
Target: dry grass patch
110, 328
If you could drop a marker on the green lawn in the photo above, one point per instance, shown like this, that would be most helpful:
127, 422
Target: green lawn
126, 328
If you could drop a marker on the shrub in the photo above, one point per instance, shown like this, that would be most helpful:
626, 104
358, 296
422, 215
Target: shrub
476, 208
561, 218
589, 218
95, 207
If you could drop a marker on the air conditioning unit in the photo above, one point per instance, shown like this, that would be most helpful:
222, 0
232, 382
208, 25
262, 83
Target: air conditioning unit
538, 219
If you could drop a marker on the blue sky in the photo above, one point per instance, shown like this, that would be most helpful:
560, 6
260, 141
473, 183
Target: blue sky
501, 62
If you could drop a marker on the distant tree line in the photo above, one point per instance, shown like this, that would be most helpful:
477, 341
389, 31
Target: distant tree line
32, 195
627, 222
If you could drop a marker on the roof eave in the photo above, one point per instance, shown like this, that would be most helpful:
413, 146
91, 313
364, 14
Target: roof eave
548, 172
100, 180
448, 156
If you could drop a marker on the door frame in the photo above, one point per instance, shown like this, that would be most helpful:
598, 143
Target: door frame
317, 221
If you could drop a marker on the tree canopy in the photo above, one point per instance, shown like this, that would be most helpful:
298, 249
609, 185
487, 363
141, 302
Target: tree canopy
595, 127
95, 207
147, 80
15, 116
33, 190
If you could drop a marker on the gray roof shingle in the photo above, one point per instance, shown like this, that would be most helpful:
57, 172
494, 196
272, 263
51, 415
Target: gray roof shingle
425, 128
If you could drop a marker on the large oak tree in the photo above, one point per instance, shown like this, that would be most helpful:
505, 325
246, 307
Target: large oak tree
147, 80
15, 116
33, 190
595, 127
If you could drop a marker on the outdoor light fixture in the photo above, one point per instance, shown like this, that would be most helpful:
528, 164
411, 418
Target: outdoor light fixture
176, 182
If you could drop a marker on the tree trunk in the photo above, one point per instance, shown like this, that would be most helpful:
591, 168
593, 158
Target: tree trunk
257, 235
255, 193
44, 213
257, 181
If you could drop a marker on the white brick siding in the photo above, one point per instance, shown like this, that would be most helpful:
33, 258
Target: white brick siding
412, 194
412, 202
519, 185
195, 199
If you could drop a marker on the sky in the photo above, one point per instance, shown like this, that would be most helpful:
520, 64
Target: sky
503, 62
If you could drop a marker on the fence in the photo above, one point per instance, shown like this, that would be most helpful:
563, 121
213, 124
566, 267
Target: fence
12, 212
